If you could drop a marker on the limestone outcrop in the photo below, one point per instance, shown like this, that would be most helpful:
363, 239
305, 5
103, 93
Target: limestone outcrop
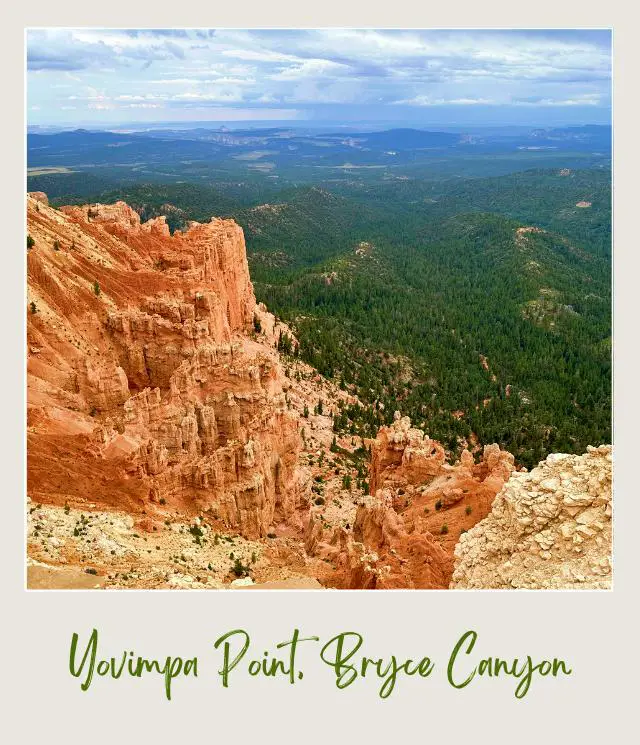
147, 385
550, 528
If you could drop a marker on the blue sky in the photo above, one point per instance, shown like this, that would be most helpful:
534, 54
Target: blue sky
108, 77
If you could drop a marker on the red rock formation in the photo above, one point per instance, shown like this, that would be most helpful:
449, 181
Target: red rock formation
144, 386
402, 455
405, 533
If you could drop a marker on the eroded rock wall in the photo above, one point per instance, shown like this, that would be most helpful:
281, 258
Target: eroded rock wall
145, 386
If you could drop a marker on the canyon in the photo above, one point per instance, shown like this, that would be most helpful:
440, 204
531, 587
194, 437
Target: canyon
171, 444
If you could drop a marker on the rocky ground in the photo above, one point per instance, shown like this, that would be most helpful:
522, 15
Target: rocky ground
113, 553
548, 529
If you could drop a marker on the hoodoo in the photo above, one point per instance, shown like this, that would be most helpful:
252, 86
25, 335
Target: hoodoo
404, 533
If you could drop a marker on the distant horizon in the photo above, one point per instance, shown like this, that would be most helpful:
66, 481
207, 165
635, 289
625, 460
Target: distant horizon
427, 79
253, 124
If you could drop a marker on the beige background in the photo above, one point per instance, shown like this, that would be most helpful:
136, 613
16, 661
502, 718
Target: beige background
594, 631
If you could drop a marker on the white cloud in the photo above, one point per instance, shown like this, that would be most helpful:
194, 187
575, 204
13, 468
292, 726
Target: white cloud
260, 55
585, 99
229, 96
176, 81
267, 98
148, 97
428, 101
310, 68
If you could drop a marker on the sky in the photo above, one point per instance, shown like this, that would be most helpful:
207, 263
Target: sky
98, 77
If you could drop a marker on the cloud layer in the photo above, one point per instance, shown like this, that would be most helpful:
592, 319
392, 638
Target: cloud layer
127, 75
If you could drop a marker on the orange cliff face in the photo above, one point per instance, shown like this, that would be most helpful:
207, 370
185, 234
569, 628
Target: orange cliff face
145, 387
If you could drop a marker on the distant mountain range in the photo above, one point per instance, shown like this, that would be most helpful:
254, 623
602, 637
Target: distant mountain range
83, 148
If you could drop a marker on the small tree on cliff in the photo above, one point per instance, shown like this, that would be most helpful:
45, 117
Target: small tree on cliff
96, 287
30, 242
285, 344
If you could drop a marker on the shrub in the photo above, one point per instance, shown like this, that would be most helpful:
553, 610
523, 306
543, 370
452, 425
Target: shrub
96, 287
444, 529
319, 501
30, 242
33, 307
239, 569
468, 510
439, 504
196, 531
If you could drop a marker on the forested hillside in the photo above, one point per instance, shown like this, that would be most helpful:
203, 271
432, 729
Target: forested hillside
479, 328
